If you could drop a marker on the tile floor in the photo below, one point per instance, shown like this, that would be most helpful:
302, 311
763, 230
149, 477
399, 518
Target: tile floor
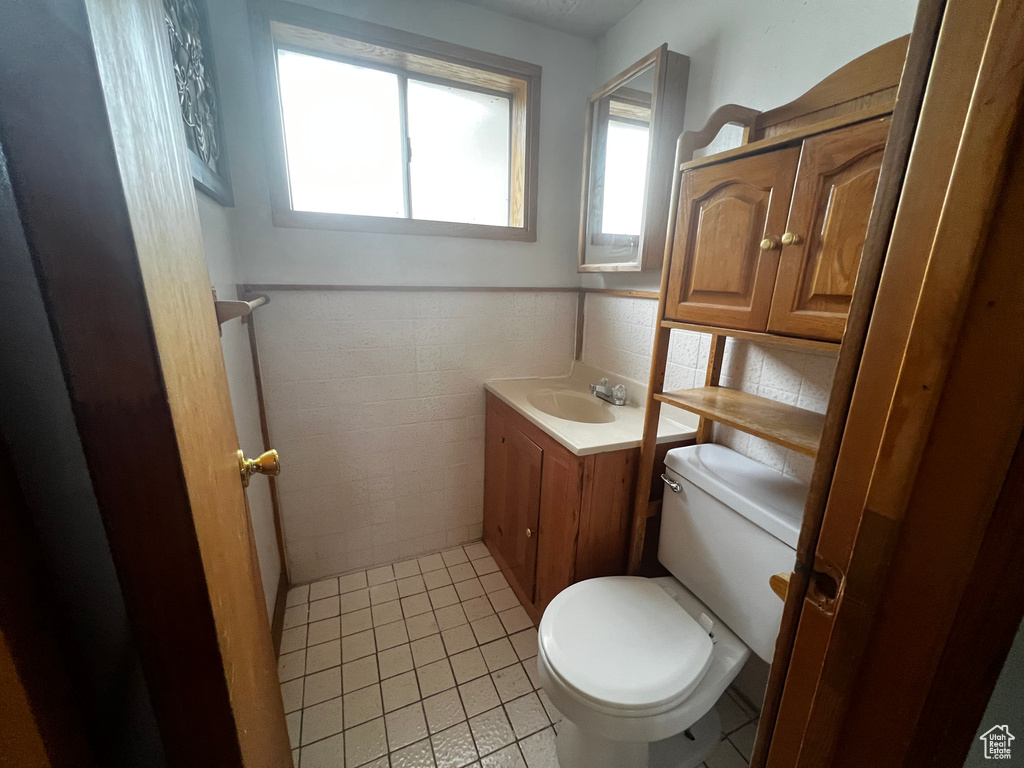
428, 662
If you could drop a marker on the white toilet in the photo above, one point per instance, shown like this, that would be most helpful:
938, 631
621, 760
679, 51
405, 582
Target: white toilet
636, 665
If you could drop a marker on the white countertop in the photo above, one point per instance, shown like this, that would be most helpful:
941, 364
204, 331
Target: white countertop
624, 430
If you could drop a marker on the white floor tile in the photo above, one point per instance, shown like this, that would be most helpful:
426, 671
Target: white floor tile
511, 683
321, 686
743, 739
394, 661
359, 674
509, 757
527, 715
323, 656
453, 557
458, 639
322, 720
291, 692
293, 639
539, 749
352, 582
358, 645
443, 710
435, 677
422, 625
400, 691
726, 756
362, 706
418, 755
322, 589
478, 696
365, 742
329, 753
427, 650
468, 665
322, 631
499, 654
291, 665
357, 621
491, 731
454, 748
405, 726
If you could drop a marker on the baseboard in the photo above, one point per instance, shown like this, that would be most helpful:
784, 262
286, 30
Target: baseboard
277, 625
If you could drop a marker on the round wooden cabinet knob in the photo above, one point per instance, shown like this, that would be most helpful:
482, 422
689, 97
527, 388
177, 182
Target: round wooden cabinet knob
791, 239
769, 244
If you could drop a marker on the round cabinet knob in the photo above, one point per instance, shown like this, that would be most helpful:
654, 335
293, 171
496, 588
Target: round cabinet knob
769, 244
791, 239
529, 533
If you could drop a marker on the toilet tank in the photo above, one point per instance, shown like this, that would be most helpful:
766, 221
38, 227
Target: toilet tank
729, 527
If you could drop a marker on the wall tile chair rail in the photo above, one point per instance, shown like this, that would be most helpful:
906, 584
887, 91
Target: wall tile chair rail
374, 397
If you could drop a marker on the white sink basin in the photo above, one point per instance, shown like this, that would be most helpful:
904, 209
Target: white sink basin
571, 406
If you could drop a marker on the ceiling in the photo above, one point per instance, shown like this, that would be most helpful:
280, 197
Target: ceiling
586, 18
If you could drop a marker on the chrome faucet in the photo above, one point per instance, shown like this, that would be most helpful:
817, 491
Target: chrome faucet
615, 395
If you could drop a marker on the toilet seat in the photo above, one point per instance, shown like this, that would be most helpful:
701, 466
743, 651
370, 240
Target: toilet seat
621, 645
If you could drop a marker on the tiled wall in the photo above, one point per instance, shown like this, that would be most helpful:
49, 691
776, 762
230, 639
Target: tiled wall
619, 336
376, 404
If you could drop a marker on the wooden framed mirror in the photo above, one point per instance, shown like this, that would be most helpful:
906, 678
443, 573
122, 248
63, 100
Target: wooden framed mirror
633, 122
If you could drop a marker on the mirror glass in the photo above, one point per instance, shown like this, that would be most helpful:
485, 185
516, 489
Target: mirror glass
620, 144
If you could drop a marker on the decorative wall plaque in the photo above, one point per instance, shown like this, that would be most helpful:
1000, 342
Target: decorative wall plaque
188, 31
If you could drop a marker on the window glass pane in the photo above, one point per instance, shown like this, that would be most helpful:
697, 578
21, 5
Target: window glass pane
342, 136
625, 172
460, 154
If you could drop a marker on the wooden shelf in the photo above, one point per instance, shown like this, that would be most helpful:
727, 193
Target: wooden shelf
810, 345
786, 425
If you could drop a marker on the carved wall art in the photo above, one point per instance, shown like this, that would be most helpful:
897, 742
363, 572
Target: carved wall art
192, 57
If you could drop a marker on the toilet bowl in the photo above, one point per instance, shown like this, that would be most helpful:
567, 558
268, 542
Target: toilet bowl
636, 665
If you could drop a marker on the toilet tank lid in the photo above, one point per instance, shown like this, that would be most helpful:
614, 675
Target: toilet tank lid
769, 499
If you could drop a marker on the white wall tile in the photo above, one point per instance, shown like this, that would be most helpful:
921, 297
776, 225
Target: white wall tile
619, 337
376, 403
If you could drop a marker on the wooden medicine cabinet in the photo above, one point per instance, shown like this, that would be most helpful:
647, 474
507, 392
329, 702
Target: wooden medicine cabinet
633, 122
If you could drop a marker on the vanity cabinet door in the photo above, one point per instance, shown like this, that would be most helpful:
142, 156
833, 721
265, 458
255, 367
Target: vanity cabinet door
835, 187
512, 493
725, 251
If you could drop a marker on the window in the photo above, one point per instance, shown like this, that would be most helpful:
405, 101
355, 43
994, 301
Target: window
380, 130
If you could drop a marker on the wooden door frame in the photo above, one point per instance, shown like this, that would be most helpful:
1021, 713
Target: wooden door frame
927, 449
98, 167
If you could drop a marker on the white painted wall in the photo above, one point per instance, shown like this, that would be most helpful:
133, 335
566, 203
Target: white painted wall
218, 241
758, 53
269, 254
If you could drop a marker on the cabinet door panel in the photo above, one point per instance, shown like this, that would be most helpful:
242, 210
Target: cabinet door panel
719, 275
559, 524
522, 507
835, 187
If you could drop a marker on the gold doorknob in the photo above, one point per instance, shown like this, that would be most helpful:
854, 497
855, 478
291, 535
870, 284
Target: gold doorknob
791, 239
769, 244
529, 533
267, 463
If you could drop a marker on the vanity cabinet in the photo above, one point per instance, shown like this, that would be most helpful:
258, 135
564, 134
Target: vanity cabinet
552, 518
772, 241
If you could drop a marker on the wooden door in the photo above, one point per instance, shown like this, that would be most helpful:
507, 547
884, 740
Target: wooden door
93, 140
914, 597
828, 221
720, 275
